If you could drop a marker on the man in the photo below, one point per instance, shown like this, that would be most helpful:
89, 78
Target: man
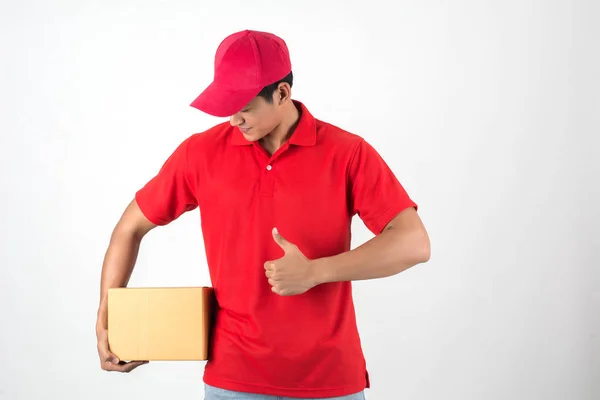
276, 190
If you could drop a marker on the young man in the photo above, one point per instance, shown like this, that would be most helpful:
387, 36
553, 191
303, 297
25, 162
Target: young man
276, 191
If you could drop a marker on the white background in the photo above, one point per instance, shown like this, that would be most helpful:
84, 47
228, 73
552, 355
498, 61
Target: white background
488, 111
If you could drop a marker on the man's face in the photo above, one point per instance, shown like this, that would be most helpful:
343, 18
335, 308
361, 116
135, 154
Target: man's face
257, 119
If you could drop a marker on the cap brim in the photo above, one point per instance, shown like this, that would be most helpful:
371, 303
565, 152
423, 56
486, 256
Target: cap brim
220, 102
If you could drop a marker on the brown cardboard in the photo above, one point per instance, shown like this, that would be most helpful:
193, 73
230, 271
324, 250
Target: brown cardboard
160, 323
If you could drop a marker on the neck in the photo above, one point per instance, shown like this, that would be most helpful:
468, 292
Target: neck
282, 132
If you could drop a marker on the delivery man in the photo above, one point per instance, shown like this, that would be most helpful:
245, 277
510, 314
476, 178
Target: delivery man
276, 190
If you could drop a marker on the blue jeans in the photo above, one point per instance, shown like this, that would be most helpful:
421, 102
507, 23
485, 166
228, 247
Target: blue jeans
213, 393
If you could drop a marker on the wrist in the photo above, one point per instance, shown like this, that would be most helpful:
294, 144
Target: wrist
321, 271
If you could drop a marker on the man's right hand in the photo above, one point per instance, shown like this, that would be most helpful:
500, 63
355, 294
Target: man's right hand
109, 361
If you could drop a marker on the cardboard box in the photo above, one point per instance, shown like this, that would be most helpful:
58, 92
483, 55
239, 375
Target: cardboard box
160, 323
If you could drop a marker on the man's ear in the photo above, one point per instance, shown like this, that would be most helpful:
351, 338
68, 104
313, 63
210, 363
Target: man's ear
283, 92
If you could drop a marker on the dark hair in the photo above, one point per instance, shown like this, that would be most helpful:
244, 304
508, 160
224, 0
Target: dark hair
267, 92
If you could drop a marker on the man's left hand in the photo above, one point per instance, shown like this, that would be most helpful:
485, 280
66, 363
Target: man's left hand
293, 273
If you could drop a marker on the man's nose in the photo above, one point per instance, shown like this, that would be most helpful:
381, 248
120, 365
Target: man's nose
236, 120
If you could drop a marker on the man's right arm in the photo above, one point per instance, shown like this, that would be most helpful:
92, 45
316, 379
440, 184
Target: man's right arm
117, 268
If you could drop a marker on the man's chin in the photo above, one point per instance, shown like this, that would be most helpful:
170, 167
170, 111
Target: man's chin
251, 138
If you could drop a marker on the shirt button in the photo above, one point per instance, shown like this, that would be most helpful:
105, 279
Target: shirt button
269, 167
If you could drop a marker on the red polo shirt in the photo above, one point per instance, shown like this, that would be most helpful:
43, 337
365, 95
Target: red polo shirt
297, 346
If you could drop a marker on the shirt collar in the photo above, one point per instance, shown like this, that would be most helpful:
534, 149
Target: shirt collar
305, 133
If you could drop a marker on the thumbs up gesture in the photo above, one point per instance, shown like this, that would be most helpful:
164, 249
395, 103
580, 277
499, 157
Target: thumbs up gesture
293, 273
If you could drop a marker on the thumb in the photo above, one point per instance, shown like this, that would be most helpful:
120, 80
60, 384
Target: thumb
280, 240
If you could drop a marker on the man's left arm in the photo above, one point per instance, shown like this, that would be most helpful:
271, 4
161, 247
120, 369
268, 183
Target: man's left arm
379, 199
402, 244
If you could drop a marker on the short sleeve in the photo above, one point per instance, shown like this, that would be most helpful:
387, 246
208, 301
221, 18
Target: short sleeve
170, 192
376, 195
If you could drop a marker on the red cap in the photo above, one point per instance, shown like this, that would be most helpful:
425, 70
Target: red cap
245, 63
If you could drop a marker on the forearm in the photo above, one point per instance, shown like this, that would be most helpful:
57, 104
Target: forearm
118, 265
387, 254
